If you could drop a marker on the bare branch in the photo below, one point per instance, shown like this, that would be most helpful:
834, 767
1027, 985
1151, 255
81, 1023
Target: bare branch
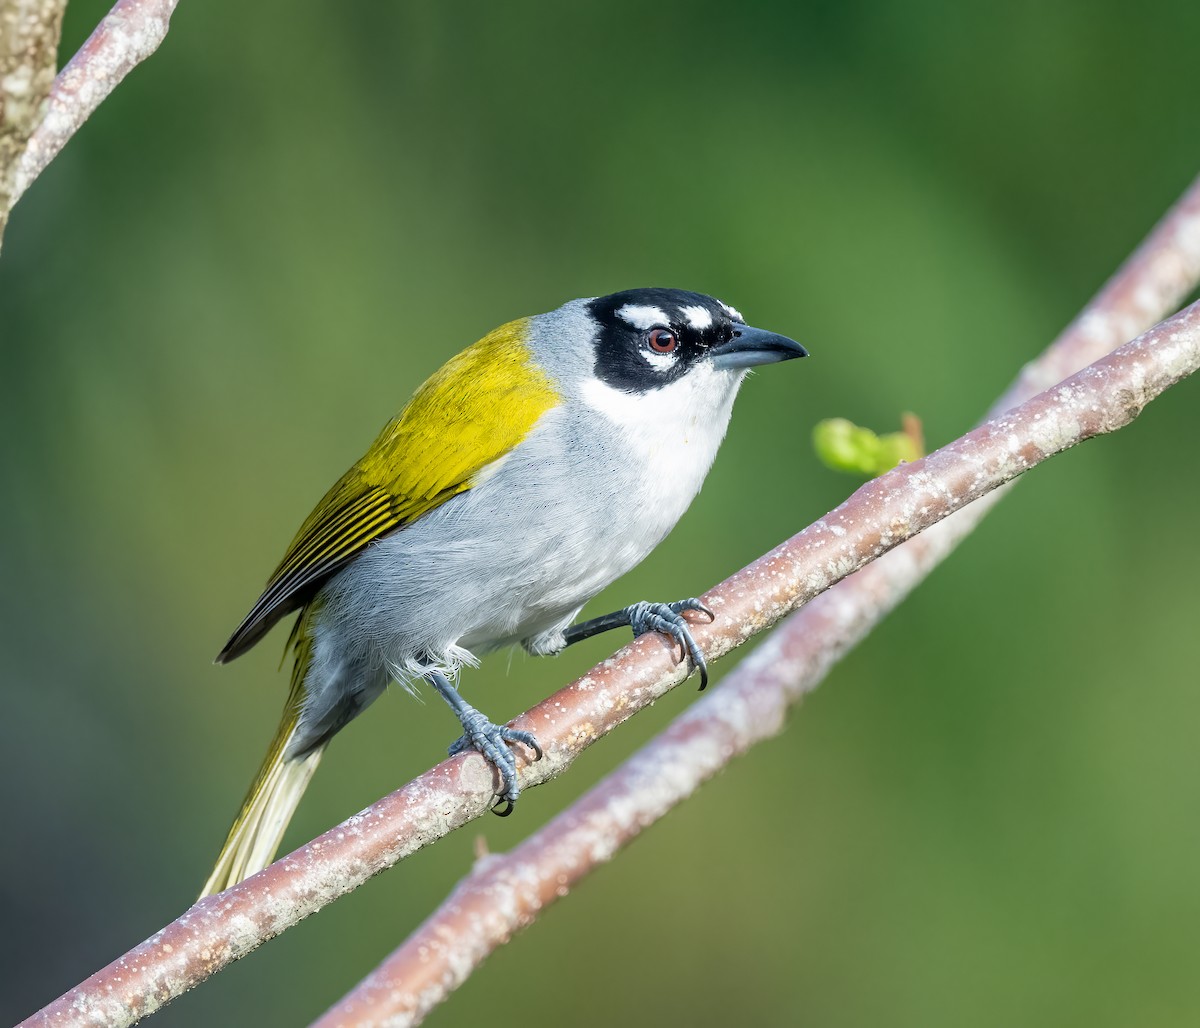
1153, 281
505, 893
876, 518
129, 33
29, 34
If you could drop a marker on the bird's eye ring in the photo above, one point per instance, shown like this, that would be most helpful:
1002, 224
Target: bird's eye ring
662, 340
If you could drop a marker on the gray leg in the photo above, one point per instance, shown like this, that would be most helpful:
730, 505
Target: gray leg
666, 618
491, 740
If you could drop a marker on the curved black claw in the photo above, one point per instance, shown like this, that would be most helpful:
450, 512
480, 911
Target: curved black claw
668, 619
491, 740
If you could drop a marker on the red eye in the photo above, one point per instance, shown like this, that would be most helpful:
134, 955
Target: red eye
662, 340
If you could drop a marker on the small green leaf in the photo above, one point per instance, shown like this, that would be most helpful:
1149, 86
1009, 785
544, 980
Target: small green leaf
845, 446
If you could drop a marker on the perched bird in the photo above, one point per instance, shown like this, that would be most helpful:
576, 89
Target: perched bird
528, 473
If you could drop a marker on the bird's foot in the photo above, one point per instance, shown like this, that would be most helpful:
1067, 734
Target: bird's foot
668, 619
492, 741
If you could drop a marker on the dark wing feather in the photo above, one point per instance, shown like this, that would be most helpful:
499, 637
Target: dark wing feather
470, 414
321, 548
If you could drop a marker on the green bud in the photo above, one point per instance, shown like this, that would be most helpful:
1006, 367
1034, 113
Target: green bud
845, 446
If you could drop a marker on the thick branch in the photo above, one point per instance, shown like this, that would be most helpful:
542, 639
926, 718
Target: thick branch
129, 33
29, 33
505, 893
878, 517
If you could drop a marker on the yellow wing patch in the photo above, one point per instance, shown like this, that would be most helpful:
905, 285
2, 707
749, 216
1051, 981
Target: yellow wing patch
469, 414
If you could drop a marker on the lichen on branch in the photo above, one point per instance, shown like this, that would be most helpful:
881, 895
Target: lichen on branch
29, 35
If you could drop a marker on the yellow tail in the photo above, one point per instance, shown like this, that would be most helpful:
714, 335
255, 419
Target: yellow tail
259, 826
269, 805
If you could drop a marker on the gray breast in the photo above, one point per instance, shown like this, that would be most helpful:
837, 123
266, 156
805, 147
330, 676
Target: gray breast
586, 496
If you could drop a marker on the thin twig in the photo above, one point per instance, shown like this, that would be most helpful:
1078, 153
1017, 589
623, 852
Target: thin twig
128, 34
504, 893
879, 516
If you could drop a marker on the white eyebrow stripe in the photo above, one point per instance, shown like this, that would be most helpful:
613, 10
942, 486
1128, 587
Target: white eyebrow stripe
643, 317
698, 317
733, 312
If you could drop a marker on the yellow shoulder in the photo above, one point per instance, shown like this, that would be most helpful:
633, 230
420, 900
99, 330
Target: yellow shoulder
469, 414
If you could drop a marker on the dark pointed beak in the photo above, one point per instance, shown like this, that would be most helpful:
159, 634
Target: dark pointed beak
750, 347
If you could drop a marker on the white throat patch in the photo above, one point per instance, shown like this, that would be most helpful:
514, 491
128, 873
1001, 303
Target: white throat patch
694, 409
667, 437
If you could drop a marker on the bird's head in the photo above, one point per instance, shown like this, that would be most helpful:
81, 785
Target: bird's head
646, 339
653, 349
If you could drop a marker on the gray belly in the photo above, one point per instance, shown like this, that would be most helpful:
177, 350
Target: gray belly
513, 557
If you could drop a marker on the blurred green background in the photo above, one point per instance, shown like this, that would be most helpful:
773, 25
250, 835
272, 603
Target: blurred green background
275, 229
